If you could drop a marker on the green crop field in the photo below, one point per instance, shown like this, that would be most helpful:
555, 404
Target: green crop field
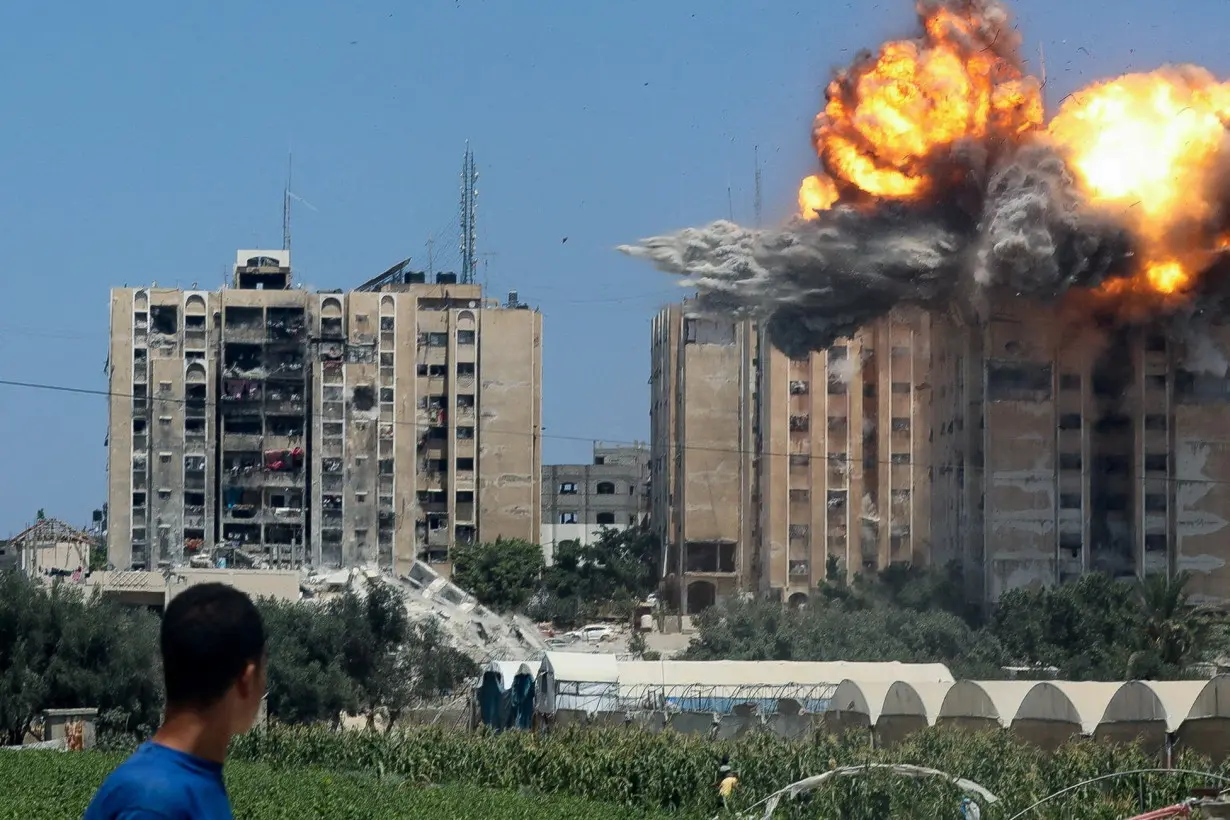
612, 774
58, 785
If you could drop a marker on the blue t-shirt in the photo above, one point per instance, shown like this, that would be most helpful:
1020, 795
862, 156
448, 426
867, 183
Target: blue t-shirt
158, 783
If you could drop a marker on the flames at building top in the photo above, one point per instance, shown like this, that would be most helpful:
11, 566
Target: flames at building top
941, 183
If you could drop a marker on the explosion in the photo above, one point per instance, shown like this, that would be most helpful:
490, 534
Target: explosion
1146, 148
942, 181
889, 117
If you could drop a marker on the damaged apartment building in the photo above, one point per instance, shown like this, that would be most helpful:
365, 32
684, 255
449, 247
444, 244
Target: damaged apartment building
1069, 441
763, 467
1044, 442
287, 427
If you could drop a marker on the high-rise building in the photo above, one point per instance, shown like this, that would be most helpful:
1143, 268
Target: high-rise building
333, 428
1033, 446
765, 469
702, 440
844, 456
1065, 445
580, 501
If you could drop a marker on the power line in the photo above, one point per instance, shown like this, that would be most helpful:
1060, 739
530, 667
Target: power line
828, 458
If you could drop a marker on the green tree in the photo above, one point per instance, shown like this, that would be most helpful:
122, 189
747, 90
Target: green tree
1088, 629
503, 574
617, 570
830, 630
59, 649
435, 667
306, 681
358, 654
1175, 631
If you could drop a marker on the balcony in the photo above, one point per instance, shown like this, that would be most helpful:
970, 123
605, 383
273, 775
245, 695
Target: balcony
247, 513
287, 406
282, 515
240, 407
281, 478
241, 441
243, 333
431, 481
280, 332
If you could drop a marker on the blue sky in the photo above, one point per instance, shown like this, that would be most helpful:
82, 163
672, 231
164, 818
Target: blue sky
145, 141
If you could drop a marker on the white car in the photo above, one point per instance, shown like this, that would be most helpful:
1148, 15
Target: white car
595, 633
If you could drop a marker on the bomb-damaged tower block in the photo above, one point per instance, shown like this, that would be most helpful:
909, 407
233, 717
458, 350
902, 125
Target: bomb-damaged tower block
1070, 439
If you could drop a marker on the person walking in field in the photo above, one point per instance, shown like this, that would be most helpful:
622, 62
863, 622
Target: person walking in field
213, 656
726, 784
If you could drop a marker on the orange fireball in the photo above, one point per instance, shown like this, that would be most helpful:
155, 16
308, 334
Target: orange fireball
888, 118
817, 193
1144, 147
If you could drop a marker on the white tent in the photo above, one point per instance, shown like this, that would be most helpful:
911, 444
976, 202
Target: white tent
578, 681
731, 675
720, 685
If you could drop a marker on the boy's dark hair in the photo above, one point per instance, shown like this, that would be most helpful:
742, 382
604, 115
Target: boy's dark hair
210, 633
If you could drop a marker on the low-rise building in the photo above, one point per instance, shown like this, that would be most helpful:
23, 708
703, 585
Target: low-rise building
579, 501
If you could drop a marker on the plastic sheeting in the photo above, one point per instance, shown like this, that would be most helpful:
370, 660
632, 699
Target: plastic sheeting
576, 681
506, 694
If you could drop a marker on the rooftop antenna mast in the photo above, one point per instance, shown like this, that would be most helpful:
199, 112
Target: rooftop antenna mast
288, 195
286, 204
469, 212
757, 201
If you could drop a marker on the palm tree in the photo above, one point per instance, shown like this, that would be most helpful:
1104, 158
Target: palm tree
1175, 630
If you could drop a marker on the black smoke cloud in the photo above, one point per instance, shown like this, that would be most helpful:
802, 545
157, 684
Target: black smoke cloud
816, 281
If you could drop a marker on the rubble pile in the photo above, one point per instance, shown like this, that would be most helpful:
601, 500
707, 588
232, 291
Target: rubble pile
476, 630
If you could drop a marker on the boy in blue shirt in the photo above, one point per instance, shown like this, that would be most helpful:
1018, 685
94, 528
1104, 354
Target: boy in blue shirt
213, 658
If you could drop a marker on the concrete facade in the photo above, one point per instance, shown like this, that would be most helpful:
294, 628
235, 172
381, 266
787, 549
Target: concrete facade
323, 429
1065, 445
702, 443
1041, 443
580, 500
764, 468
845, 455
